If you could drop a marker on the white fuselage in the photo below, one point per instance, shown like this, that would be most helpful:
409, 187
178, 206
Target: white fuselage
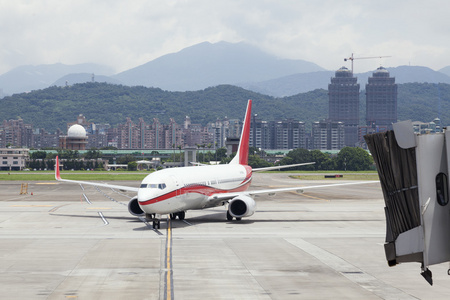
180, 189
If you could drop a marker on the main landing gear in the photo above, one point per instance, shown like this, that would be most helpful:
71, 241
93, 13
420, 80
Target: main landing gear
230, 217
180, 215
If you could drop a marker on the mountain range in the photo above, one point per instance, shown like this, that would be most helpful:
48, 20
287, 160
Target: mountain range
205, 65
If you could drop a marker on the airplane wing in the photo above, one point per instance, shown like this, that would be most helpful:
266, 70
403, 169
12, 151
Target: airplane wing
197, 163
228, 196
300, 189
113, 186
281, 167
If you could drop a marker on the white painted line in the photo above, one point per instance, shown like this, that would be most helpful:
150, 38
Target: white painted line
103, 218
188, 223
86, 198
354, 274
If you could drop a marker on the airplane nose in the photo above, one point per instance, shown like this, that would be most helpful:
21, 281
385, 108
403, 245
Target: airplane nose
145, 196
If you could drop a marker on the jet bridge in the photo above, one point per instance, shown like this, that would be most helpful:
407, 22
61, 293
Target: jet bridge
413, 171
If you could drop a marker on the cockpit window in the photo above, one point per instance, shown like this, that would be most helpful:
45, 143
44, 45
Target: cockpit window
160, 186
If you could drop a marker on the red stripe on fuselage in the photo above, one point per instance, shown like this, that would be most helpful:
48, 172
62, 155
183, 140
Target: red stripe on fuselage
248, 176
198, 189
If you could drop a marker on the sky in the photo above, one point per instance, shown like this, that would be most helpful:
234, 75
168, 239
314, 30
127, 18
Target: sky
126, 34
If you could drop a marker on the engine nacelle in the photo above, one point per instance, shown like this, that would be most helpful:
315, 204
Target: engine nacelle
242, 206
134, 208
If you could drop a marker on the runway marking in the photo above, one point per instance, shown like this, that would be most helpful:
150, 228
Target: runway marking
30, 205
352, 273
110, 198
103, 218
99, 208
313, 197
120, 193
187, 223
86, 198
56, 208
168, 289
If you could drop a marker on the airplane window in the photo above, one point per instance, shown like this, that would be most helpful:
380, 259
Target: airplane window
143, 186
160, 186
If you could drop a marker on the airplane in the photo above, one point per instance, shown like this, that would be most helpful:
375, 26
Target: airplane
174, 191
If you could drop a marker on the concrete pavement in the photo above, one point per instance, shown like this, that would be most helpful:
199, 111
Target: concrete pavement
323, 244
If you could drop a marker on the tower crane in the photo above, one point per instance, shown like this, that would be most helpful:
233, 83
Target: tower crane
352, 58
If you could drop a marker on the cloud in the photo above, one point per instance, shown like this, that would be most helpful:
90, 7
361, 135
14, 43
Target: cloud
124, 34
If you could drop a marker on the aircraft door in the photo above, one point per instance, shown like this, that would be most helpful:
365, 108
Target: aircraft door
178, 185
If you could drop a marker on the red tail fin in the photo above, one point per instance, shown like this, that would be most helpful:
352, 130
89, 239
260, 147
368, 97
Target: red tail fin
242, 153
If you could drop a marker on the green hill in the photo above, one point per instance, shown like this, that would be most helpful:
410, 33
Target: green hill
53, 107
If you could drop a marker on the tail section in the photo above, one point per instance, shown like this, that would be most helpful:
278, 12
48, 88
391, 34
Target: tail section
242, 153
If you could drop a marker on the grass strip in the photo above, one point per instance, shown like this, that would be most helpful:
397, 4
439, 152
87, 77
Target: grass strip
76, 175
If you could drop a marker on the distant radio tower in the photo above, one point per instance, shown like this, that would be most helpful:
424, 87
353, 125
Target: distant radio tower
93, 77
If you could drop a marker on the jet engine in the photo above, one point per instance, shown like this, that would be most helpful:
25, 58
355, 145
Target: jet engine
242, 206
134, 208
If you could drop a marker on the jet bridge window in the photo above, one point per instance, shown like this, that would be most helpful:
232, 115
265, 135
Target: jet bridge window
442, 189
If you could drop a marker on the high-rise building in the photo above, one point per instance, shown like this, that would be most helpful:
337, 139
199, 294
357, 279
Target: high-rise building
146, 136
44, 139
381, 99
328, 135
287, 134
343, 104
16, 133
261, 135
222, 129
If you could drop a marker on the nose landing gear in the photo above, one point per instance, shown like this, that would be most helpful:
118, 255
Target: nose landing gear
156, 220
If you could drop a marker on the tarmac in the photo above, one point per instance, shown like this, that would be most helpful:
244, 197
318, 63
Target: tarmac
66, 241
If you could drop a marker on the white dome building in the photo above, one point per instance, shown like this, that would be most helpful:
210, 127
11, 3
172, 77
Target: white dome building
76, 138
76, 131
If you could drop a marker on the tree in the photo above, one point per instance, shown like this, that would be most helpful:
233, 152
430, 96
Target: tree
353, 159
125, 159
298, 156
257, 162
51, 164
68, 154
132, 166
323, 161
93, 154
221, 153
38, 155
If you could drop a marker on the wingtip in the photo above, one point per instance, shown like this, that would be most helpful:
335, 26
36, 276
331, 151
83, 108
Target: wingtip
57, 175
